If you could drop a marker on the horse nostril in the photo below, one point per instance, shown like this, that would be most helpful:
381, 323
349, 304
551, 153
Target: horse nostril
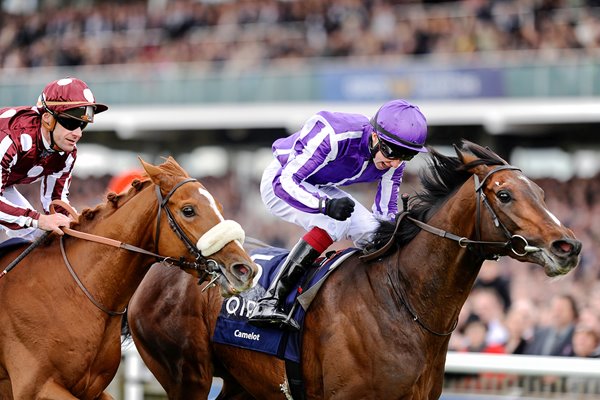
241, 270
567, 246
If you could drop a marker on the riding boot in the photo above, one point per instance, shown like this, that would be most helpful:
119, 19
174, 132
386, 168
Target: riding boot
269, 310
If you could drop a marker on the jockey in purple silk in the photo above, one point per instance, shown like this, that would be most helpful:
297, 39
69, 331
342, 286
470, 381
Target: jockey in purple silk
39, 143
302, 184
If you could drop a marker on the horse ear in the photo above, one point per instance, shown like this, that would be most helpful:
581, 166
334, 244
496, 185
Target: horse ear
467, 158
176, 165
457, 151
152, 170
464, 157
172, 160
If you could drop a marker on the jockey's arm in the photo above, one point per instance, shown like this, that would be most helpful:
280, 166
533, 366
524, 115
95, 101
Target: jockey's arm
386, 200
291, 185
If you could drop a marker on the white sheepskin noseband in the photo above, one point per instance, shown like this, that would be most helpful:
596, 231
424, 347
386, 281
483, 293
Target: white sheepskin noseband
219, 235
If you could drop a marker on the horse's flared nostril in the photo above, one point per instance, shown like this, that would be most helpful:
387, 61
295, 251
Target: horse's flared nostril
242, 272
567, 247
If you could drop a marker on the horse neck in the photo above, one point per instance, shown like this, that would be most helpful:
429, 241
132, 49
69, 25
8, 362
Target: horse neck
435, 274
112, 273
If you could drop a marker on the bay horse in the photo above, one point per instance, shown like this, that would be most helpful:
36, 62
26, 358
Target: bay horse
62, 306
379, 327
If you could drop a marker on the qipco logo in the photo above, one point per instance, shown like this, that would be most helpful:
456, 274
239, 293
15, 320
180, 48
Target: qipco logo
239, 306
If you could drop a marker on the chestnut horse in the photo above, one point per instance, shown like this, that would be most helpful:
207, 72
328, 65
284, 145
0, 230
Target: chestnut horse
62, 306
380, 325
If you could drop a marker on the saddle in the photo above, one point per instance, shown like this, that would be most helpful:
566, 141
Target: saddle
232, 326
11, 243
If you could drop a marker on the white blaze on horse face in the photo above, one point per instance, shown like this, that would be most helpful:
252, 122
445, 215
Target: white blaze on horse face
552, 216
525, 179
212, 202
556, 220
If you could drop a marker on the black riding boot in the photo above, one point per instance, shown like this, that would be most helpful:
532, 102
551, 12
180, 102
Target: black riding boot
269, 310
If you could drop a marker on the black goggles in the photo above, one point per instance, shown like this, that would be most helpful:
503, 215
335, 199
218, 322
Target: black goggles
85, 113
71, 124
392, 152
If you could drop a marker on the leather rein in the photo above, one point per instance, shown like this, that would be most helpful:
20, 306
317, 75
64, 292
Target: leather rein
473, 245
207, 267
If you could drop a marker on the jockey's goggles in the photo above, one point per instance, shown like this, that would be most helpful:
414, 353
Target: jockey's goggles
77, 117
393, 152
85, 113
70, 124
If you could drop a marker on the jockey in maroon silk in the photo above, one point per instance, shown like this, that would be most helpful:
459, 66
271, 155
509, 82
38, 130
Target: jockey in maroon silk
39, 143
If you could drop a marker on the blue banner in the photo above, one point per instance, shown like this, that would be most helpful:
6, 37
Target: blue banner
415, 82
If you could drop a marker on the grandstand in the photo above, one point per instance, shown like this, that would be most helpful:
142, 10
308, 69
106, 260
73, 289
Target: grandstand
214, 82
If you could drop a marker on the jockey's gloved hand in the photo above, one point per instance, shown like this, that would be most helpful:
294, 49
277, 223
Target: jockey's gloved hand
339, 209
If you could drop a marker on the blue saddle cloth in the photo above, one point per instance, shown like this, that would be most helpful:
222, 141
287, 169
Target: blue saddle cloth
232, 326
8, 244
12, 242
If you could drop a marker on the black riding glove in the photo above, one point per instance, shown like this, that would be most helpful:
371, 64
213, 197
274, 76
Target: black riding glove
339, 209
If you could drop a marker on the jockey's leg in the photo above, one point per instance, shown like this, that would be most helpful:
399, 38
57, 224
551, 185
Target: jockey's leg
269, 310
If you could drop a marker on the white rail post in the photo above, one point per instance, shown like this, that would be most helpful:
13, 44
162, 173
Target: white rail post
134, 377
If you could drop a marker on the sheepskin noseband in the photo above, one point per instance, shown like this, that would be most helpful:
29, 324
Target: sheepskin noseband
219, 235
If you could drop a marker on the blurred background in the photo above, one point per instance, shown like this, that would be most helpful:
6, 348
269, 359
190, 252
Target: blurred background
214, 82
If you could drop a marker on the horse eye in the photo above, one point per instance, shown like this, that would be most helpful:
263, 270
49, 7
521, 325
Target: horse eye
188, 211
504, 196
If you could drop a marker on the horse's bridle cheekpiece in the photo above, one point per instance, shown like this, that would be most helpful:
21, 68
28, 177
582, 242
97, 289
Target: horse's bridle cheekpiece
211, 266
512, 240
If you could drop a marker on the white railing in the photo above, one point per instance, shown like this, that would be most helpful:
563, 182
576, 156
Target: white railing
522, 365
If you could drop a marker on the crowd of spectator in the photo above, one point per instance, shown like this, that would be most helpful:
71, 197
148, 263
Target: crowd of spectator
242, 34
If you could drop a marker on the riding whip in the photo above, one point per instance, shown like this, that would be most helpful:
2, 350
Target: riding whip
28, 250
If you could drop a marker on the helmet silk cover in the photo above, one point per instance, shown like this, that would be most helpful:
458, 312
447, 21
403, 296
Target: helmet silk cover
70, 97
401, 123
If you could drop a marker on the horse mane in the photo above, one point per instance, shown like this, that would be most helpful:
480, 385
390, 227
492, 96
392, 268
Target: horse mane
440, 179
171, 173
113, 202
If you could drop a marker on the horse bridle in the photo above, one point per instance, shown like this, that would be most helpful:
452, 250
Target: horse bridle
462, 241
207, 266
212, 267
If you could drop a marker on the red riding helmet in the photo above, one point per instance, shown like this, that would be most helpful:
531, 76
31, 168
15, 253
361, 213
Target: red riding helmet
70, 97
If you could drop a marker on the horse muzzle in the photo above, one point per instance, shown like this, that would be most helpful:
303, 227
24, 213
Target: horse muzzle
560, 257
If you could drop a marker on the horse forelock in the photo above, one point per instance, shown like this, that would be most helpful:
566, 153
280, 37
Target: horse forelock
440, 179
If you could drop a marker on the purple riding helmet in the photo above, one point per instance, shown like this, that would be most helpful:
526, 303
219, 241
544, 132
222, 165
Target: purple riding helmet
400, 123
